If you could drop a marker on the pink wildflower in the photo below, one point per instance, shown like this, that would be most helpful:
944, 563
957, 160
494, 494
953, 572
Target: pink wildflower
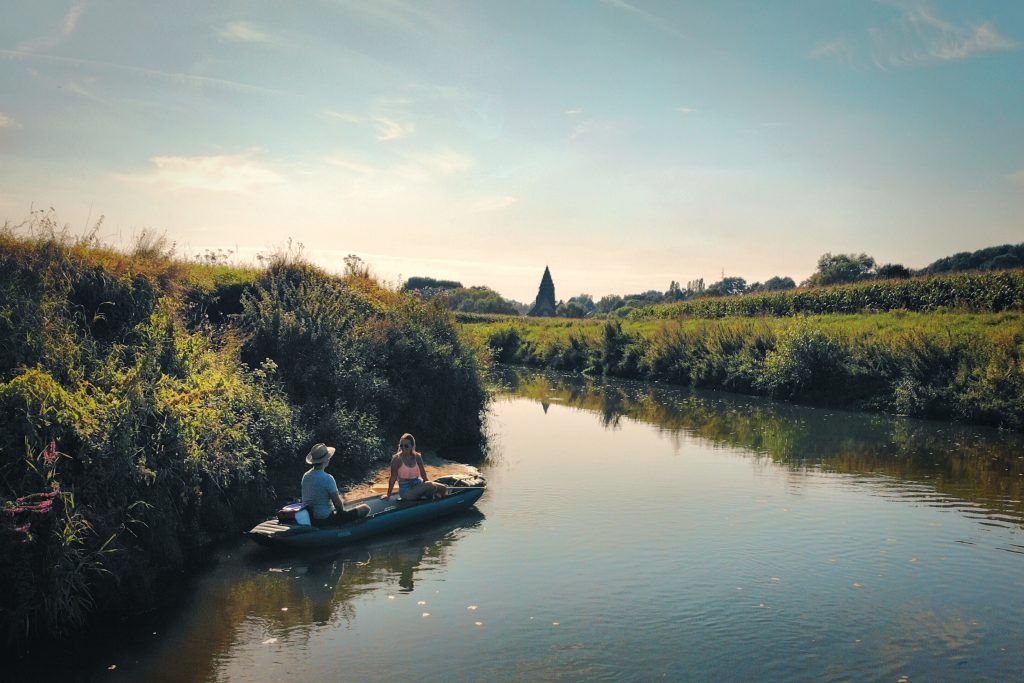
23, 529
50, 453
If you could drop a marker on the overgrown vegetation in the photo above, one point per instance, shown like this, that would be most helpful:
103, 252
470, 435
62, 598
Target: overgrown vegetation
150, 405
956, 366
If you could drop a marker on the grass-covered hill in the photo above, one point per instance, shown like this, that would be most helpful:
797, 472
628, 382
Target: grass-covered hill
150, 405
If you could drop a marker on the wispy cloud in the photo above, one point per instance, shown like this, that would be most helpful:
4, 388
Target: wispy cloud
244, 32
685, 110
387, 129
7, 122
190, 80
417, 167
239, 173
918, 36
490, 204
58, 36
408, 16
839, 48
649, 18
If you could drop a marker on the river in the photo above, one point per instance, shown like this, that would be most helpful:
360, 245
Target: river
639, 532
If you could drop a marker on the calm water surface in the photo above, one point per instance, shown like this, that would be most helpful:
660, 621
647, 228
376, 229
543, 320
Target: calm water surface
632, 532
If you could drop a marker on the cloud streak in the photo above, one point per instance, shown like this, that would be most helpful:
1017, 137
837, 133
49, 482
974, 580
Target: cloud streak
68, 27
387, 129
237, 174
185, 79
917, 37
244, 32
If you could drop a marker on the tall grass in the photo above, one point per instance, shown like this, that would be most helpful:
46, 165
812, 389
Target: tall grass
943, 365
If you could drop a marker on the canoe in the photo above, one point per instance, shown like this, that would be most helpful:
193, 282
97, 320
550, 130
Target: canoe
385, 516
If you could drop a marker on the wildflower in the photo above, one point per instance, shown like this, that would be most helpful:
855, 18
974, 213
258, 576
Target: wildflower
50, 452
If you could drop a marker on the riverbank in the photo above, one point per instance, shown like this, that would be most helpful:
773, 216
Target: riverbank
151, 406
945, 365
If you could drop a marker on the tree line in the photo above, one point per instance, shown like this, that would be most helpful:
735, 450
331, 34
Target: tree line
832, 269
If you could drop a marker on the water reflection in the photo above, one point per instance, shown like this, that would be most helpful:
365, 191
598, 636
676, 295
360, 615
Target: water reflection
978, 470
253, 600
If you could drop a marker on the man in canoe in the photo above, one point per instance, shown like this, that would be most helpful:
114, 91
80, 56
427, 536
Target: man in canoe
320, 491
407, 468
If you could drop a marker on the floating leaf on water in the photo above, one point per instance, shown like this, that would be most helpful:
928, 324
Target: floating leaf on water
391, 597
776, 579
858, 585
471, 607
111, 667
426, 614
422, 602
284, 609
554, 623
270, 641
478, 623
739, 588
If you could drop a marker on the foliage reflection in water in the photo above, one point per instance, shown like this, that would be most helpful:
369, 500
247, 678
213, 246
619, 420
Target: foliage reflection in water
977, 469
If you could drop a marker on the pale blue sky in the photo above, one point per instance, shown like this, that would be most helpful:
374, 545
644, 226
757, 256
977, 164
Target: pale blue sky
623, 144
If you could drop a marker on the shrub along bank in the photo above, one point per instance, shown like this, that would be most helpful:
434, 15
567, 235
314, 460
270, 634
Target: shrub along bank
149, 406
941, 365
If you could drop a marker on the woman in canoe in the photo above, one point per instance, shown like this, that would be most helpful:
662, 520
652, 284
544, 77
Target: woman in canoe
320, 491
408, 470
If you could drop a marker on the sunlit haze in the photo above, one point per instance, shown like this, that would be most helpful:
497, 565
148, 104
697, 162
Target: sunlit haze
622, 144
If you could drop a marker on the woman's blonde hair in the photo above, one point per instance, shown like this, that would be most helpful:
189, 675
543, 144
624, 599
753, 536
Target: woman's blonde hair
408, 437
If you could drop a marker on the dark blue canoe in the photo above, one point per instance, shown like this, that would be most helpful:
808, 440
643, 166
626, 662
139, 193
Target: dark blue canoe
385, 516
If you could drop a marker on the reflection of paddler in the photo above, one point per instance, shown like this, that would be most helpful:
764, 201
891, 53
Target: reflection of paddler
320, 584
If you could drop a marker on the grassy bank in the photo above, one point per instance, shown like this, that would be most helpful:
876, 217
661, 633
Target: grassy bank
150, 405
957, 366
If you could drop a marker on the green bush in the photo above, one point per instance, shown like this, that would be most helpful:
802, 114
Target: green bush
181, 398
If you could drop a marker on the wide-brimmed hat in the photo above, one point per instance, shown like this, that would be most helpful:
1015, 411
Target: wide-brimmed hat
319, 453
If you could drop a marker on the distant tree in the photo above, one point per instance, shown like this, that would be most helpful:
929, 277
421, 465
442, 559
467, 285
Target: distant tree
695, 287
772, 284
609, 303
892, 271
674, 292
585, 301
570, 309
840, 269
651, 296
990, 258
778, 284
478, 300
727, 286
429, 283
1006, 261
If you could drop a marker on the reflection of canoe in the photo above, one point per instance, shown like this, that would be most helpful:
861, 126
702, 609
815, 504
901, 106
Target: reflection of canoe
385, 515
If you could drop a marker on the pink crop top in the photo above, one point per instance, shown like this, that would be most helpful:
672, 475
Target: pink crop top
406, 472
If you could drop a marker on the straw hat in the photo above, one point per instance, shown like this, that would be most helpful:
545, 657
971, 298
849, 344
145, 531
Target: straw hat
319, 453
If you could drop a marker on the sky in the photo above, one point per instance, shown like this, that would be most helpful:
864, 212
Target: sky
623, 144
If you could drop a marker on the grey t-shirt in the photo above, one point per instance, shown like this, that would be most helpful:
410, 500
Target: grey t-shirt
317, 487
